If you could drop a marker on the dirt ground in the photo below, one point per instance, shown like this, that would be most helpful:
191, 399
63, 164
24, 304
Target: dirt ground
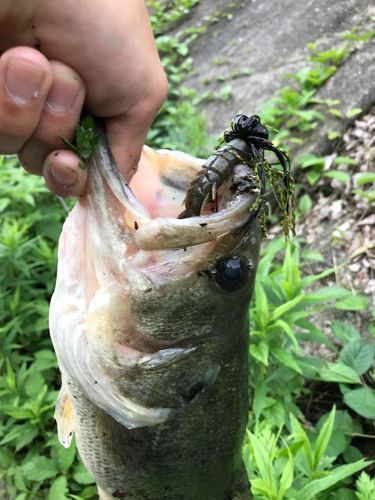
251, 45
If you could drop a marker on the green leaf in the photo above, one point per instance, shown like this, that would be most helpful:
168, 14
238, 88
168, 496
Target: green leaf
27, 437
362, 38
10, 376
260, 352
365, 487
275, 413
365, 178
289, 331
263, 462
66, 456
312, 489
353, 112
86, 139
287, 476
345, 160
328, 293
304, 204
44, 360
300, 434
339, 175
20, 435
335, 112
287, 359
18, 413
359, 355
338, 372
333, 134
34, 384
286, 307
261, 304
313, 254
4, 202
310, 366
23, 434
352, 303
309, 160
343, 425
69, 145
259, 400
343, 494
82, 476
323, 438
89, 492
38, 468
57, 489
344, 332
352, 454
309, 280
361, 401
6, 457
260, 487
368, 195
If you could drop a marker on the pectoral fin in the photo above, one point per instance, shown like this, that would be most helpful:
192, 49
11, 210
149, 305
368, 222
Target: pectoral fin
64, 417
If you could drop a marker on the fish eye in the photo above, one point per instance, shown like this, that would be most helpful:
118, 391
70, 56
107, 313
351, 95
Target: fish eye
230, 273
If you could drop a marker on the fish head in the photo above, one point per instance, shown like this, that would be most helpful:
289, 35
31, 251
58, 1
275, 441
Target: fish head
144, 298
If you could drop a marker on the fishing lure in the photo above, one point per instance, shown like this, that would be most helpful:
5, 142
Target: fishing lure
246, 140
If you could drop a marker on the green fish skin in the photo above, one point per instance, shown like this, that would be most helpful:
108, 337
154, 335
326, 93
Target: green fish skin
149, 321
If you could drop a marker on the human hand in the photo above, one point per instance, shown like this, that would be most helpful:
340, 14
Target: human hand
59, 55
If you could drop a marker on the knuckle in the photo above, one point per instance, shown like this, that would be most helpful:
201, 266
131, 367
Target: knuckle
161, 90
153, 97
15, 129
32, 156
9, 144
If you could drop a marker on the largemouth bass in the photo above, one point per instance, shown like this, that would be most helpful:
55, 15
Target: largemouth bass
149, 321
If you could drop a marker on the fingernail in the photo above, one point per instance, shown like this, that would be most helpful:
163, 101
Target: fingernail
64, 176
23, 80
63, 93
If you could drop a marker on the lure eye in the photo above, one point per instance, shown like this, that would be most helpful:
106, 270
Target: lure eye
230, 274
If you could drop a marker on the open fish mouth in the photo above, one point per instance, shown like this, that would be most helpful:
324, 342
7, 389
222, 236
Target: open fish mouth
155, 199
140, 292
141, 221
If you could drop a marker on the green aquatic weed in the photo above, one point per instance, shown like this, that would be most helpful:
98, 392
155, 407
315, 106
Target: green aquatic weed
85, 141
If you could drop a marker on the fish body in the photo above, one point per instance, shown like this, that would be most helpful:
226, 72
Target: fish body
149, 321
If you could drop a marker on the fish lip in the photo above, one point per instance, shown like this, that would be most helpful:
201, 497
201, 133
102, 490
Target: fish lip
172, 233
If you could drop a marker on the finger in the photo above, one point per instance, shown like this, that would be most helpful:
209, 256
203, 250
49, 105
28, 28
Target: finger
64, 174
58, 119
25, 79
127, 132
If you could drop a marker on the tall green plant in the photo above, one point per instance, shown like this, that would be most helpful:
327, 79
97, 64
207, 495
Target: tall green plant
294, 466
32, 462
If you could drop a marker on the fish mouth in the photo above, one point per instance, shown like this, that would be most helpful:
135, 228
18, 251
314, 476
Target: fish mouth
149, 207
